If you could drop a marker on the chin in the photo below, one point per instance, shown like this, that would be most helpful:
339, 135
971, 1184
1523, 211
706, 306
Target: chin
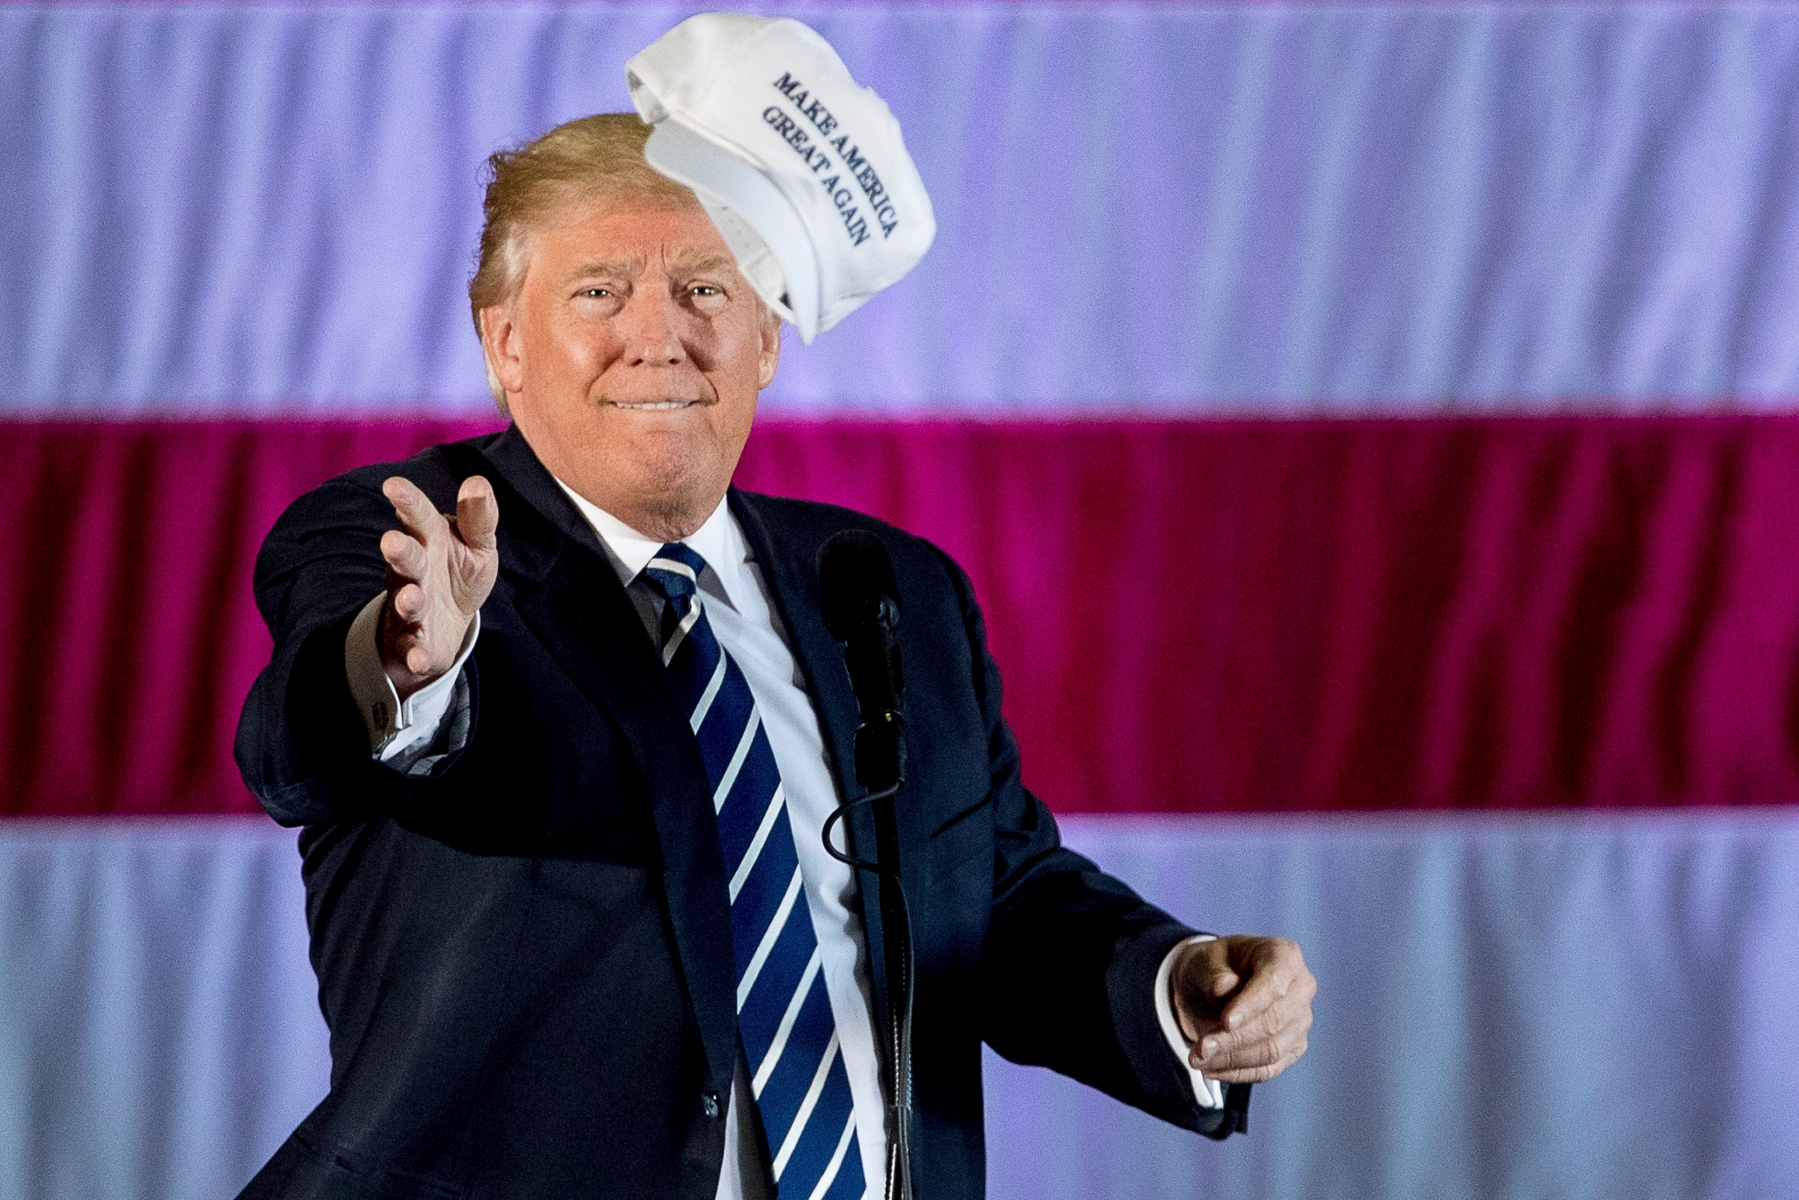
674, 486
664, 464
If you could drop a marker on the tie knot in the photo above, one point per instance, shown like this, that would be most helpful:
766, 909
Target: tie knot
675, 571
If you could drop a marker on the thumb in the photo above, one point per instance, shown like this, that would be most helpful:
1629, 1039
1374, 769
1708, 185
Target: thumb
477, 513
1201, 982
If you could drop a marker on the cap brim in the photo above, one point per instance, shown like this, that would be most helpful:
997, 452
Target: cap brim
722, 176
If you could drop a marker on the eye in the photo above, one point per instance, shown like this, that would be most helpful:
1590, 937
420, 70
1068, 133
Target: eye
704, 289
596, 293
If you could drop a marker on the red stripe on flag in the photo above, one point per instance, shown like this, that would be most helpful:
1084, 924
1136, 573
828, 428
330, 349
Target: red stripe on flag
128, 634
1191, 616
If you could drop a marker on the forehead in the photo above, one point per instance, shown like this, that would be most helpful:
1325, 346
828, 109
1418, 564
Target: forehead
621, 233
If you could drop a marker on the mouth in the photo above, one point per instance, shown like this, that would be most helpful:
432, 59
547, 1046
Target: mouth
653, 405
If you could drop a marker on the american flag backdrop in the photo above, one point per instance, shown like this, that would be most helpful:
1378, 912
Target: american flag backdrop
1372, 429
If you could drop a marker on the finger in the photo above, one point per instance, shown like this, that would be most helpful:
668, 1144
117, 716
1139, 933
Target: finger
1260, 1074
1250, 1005
1202, 976
1251, 1055
409, 603
1254, 1074
1208, 968
412, 649
1243, 1058
1271, 1037
1222, 1048
1289, 1006
477, 513
1198, 1002
1272, 975
406, 555
415, 510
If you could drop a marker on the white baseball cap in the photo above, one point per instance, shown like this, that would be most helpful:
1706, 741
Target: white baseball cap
801, 168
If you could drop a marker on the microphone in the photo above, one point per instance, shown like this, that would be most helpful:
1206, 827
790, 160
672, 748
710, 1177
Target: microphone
860, 604
861, 609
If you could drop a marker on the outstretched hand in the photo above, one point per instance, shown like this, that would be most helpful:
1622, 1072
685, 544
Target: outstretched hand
1246, 1004
439, 572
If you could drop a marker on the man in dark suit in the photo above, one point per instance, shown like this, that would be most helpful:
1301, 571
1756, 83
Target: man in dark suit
562, 761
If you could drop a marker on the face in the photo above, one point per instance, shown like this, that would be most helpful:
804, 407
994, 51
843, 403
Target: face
632, 357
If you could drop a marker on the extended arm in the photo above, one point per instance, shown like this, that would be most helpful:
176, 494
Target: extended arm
1072, 955
1084, 977
303, 742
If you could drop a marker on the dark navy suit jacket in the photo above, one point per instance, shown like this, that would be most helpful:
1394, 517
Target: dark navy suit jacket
524, 955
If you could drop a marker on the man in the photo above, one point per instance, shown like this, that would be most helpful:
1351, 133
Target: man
562, 761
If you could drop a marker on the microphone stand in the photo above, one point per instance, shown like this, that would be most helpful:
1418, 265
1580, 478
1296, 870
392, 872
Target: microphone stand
896, 935
871, 653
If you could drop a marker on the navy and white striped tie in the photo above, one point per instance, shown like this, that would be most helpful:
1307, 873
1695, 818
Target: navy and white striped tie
783, 1011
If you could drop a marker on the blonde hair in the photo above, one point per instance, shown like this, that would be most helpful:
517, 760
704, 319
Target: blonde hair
530, 184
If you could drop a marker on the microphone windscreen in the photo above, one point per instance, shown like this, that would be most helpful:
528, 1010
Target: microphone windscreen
854, 572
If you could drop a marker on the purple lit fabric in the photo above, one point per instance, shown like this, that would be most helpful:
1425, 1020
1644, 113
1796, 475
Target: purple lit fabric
1212, 208
1596, 1007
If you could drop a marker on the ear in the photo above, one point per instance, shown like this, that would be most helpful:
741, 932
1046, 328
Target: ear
769, 356
500, 342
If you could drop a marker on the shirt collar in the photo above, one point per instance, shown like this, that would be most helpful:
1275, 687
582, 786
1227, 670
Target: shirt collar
719, 541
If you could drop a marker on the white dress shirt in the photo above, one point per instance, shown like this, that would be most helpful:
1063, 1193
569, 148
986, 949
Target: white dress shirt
736, 602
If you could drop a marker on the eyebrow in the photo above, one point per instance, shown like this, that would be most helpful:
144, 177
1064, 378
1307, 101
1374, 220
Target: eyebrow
616, 266
703, 260
698, 260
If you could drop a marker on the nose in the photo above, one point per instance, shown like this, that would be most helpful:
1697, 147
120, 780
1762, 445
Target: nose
651, 329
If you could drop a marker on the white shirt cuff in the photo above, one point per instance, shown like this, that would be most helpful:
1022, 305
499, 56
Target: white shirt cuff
396, 725
1208, 1092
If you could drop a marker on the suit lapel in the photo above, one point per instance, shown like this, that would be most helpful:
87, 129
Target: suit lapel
569, 596
793, 578
791, 572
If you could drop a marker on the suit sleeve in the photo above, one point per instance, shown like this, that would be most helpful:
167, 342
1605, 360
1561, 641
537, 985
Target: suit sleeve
302, 742
1071, 957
